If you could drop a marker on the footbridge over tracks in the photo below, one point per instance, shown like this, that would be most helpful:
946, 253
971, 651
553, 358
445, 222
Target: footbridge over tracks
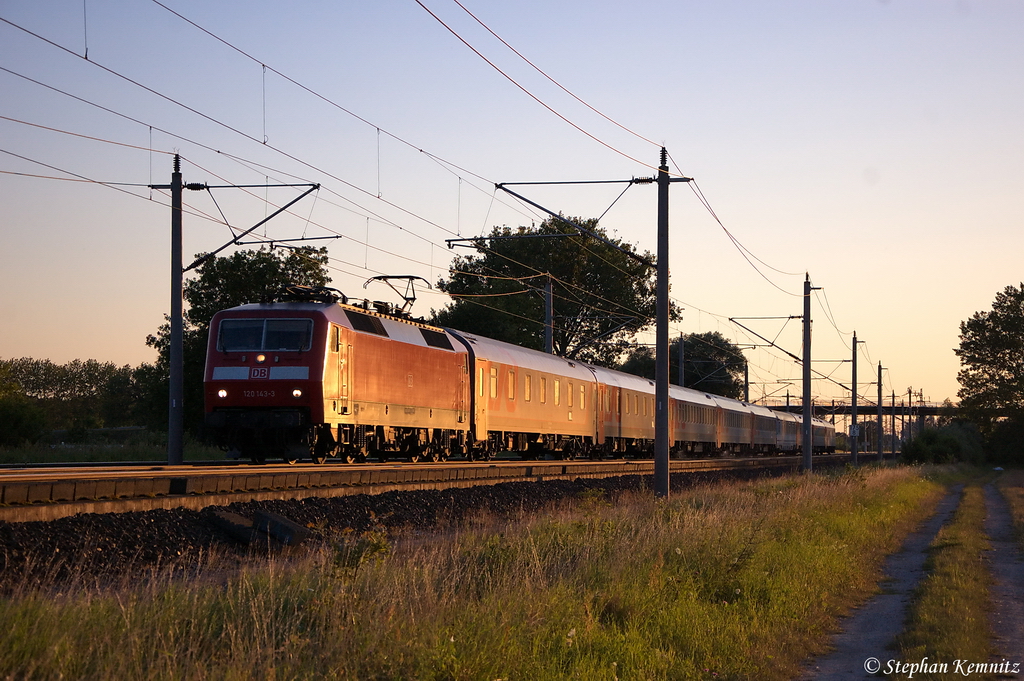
866, 408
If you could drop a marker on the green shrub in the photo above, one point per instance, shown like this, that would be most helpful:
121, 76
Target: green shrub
957, 442
21, 420
1006, 442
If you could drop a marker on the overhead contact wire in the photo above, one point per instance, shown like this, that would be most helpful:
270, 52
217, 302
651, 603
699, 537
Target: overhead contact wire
555, 82
530, 94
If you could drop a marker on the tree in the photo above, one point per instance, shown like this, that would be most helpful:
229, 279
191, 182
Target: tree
602, 296
220, 283
711, 363
22, 419
992, 357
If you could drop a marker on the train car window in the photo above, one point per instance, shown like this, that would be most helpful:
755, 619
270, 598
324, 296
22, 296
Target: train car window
436, 339
543, 390
511, 385
494, 382
366, 323
252, 335
288, 334
480, 382
583, 396
240, 335
335, 338
527, 387
557, 395
568, 392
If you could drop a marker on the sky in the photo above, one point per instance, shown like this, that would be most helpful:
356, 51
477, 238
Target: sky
874, 145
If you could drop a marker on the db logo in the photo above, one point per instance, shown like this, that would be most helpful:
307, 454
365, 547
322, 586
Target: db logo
259, 372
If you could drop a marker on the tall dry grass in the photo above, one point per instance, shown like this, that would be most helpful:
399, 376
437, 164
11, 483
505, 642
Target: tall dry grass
739, 581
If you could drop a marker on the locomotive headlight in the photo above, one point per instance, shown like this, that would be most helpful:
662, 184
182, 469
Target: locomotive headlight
296, 393
260, 359
222, 393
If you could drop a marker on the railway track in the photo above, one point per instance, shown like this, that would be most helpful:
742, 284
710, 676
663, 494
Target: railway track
51, 492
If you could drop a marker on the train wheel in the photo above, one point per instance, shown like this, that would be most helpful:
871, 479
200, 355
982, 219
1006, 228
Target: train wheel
414, 457
349, 457
291, 460
320, 445
258, 459
318, 452
433, 454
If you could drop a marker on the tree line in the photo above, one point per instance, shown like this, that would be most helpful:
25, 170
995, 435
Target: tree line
38, 395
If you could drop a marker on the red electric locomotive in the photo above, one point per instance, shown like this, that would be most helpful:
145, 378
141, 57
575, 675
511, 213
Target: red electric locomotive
315, 376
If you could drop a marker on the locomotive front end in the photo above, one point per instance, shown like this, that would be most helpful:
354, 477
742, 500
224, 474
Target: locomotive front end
263, 382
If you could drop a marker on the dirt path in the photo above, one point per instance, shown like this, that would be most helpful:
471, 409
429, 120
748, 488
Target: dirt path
1007, 566
868, 630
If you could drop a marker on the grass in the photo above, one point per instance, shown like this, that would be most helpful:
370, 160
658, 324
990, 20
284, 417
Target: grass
95, 453
948, 618
733, 581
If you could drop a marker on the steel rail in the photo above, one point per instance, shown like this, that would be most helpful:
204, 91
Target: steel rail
47, 494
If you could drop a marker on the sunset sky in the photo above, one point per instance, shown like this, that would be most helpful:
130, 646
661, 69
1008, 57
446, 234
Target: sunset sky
876, 145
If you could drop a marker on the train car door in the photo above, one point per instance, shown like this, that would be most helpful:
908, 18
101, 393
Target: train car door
338, 372
331, 370
720, 427
344, 377
460, 404
483, 396
599, 401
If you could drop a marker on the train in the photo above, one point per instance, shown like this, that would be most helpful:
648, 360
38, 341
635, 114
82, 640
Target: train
312, 376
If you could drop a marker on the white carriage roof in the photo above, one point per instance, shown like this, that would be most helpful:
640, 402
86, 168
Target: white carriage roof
513, 355
623, 380
733, 405
692, 396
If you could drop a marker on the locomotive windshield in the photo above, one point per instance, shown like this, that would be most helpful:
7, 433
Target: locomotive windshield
267, 335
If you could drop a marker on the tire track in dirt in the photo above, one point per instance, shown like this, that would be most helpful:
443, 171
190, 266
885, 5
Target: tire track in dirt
1006, 564
867, 631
